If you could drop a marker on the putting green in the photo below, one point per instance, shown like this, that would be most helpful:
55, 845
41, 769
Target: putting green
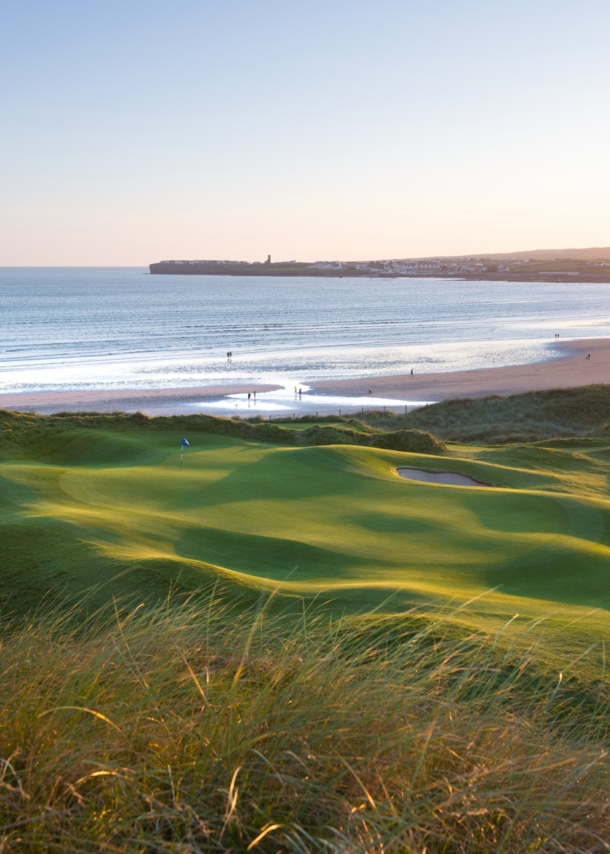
113, 509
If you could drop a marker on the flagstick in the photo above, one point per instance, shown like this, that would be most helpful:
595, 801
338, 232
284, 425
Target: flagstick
183, 444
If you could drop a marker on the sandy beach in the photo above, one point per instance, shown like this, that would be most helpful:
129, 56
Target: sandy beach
574, 369
161, 401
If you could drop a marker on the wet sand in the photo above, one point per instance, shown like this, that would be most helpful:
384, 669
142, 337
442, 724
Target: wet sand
573, 369
161, 401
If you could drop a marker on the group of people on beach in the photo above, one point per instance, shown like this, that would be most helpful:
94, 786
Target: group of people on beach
229, 354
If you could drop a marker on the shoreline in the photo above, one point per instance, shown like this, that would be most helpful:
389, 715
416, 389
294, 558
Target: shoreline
158, 401
571, 369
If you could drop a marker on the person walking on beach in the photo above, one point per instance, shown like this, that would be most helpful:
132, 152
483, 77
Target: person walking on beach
411, 371
249, 395
300, 393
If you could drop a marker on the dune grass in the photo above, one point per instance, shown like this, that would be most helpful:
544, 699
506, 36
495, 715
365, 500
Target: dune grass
206, 727
31, 435
533, 416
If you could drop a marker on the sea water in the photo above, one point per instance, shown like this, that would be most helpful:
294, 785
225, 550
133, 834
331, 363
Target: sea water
122, 328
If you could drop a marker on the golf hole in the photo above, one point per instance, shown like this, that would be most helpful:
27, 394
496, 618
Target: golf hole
447, 477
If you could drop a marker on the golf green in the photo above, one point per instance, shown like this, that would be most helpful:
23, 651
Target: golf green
112, 509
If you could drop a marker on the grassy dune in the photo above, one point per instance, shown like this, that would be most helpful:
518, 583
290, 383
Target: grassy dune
536, 415
195, 727
392, 666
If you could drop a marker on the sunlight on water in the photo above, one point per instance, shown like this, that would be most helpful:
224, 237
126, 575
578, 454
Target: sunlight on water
287, 400
124, 329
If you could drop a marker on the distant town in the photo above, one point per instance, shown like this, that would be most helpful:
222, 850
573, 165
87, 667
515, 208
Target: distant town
587, 265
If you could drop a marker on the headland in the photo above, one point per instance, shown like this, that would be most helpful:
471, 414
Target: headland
578, 265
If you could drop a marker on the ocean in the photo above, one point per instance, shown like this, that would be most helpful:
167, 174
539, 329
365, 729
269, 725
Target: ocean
121, 328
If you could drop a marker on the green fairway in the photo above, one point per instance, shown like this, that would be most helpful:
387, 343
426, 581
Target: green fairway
111, 508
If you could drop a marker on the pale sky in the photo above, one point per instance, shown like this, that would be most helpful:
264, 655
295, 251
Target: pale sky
141, 130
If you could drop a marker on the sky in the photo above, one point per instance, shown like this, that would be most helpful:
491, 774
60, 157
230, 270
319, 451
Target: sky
144, 130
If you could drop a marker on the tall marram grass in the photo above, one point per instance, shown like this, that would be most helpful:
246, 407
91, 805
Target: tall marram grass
201, 727
559, 413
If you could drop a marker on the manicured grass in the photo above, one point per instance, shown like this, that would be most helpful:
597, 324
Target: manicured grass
109, 507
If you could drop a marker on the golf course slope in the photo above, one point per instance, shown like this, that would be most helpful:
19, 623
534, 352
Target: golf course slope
107, 506
279, 646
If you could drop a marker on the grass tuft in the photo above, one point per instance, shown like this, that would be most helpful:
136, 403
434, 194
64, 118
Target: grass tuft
198, 727
533, 416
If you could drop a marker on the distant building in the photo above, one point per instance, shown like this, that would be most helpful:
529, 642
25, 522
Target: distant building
268, 261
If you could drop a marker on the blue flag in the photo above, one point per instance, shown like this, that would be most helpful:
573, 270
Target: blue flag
184, 442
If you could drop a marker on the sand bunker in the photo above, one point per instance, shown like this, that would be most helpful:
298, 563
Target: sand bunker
449, 477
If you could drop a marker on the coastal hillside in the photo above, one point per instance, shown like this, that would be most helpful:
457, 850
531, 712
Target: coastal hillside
586, 265
582, 412
280, 642
595, 253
